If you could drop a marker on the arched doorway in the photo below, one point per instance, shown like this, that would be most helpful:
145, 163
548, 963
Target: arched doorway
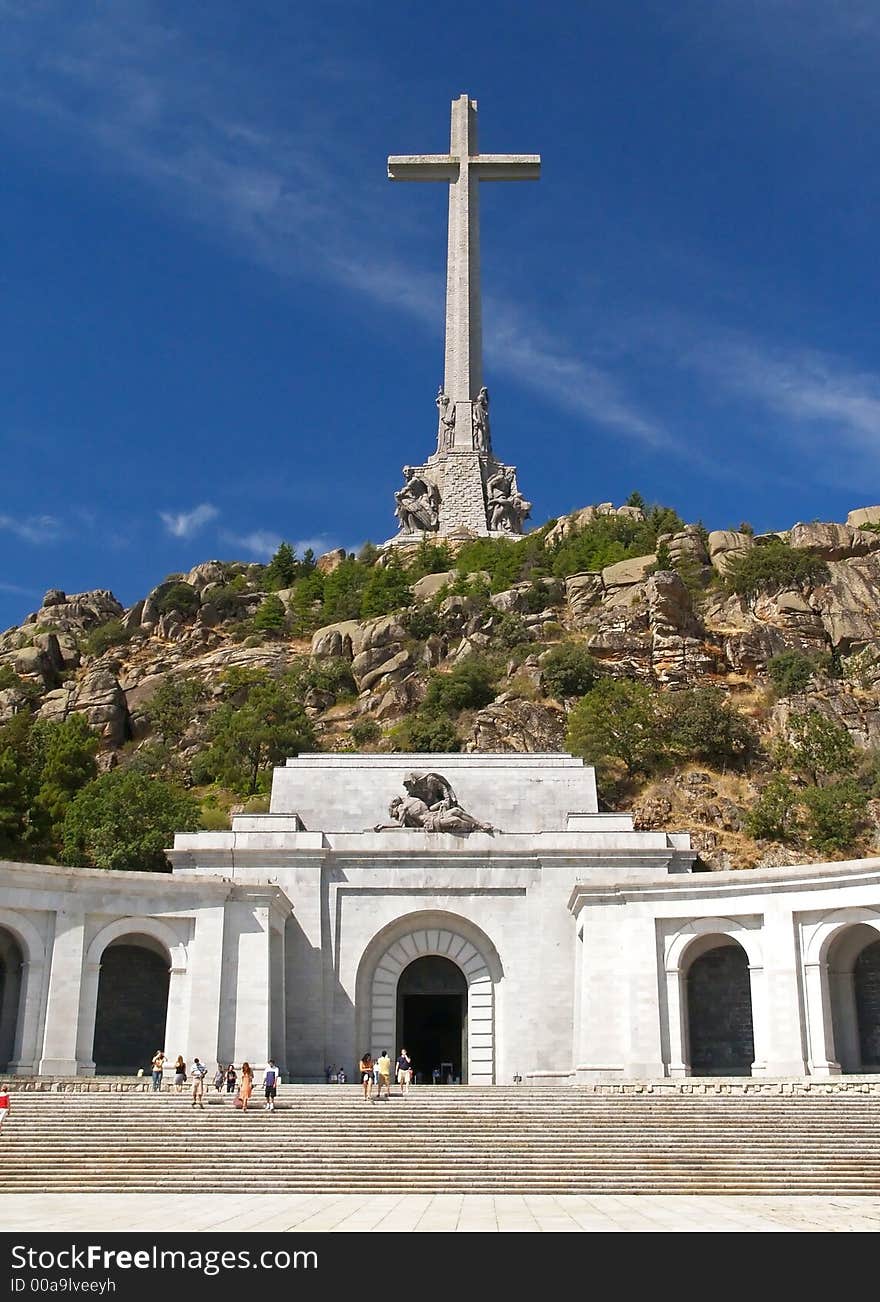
432, 1017
132, 1005
719, 1010
11, 964
854, 988
393, 950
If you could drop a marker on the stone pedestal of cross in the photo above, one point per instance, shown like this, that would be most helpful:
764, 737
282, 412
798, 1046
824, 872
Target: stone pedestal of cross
463, 431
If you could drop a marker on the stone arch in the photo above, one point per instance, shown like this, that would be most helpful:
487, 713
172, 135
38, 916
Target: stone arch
129, 964
691, 953
695, 937
824, 933
831, 945
153, 928
423, 934
853, 973
22, 957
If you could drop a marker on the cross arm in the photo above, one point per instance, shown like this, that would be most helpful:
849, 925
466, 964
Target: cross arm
507, 167
422, 167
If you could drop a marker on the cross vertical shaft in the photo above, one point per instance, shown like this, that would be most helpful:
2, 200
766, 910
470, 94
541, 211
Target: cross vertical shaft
463, 373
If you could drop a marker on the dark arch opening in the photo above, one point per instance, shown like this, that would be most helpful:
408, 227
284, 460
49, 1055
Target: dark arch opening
719, 999
132, 1006
11, 964
432, 1018
866, 987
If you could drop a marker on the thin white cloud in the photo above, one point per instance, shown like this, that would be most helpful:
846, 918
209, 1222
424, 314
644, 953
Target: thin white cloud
184, 524
259, 543
19, 591
575, 383
815, 392
36, 529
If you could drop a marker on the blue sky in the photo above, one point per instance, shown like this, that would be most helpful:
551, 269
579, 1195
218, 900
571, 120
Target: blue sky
222, 325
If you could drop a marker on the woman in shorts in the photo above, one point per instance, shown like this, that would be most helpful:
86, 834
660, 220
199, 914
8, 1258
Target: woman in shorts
365, 1067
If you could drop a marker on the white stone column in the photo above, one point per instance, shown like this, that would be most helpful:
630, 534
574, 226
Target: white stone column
602, 1041
784, 1043
88, 1008
205, 977
177, 1018
644, 1057
677, 1015
819, 1024
278, 1017
61, 1034
30, 1008
758, 998
253, 1022
842, 1002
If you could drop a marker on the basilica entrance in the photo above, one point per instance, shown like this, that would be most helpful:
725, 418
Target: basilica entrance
432, 1017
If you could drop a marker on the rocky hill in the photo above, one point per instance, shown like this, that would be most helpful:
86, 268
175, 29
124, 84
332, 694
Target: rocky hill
786, 626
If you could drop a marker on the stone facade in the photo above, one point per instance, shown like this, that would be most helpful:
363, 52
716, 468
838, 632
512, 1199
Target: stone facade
585, 949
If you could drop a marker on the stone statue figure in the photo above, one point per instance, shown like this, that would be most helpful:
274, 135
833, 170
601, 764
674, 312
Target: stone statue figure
480, 409
446, 428
507, 509
418, 503
430, 804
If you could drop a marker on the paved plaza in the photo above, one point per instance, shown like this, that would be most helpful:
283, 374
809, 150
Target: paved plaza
158, 1213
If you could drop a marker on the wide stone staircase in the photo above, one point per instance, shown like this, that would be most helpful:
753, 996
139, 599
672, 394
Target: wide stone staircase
448, 1139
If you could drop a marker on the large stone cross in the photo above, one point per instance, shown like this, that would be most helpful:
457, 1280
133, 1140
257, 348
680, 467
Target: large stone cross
463, 168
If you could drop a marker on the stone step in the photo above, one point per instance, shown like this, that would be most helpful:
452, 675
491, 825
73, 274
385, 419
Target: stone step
465, 1140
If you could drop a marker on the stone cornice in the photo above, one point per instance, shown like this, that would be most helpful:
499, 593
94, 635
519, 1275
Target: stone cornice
744, 882
21, 874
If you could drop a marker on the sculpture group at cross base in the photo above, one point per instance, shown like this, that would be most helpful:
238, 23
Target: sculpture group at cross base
418, 503
506, 508
431, 805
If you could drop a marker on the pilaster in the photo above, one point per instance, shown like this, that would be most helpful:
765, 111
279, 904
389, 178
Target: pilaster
65, 986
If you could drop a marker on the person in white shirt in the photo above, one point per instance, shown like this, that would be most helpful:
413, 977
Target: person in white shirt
270, 1085
199, 1072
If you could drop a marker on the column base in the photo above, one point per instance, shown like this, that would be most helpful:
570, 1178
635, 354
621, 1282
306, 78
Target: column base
65, 1067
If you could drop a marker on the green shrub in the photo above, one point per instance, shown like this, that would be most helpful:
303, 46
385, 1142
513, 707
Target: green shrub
619, 722
607, 539
468, 686
791, 672
365, 731
429, 731
332, 676
270, 616
103, 637
773, 567
386, 589
225, 599
700, 723
214, 819
773, 817
181, 598
568, 670
421, 622
836, 815
819, 747
509, 630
